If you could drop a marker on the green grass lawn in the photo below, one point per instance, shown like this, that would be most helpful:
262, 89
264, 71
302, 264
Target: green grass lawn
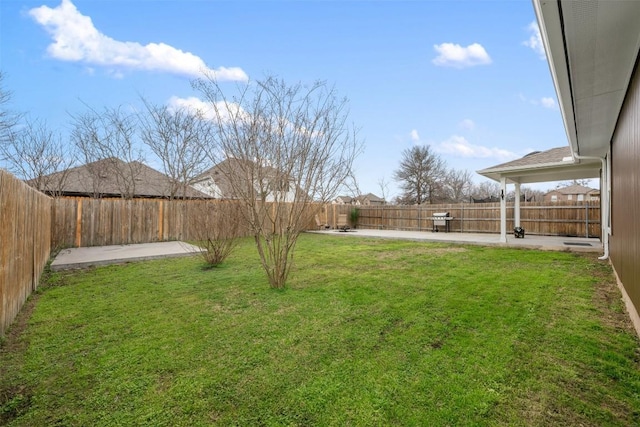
369, 332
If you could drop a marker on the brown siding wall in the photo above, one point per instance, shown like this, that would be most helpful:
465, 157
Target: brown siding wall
625, 194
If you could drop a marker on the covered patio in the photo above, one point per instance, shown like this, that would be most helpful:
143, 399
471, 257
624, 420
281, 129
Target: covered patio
556, 164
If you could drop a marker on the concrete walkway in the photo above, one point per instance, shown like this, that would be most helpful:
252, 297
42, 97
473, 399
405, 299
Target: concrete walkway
554, 243
103, 255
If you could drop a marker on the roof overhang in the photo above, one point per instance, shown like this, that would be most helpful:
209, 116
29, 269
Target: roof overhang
555, 164
565, 171
592, 48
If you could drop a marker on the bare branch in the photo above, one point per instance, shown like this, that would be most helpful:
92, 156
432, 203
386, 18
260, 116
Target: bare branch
178, 138
38, 155
421, 176
106, 140
284, 147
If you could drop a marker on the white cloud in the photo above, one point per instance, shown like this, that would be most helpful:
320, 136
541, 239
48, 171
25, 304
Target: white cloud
548, 103
467, 124
535, 40
545, 101
459, 146
76, 39
454, 55
204, 108
414, 136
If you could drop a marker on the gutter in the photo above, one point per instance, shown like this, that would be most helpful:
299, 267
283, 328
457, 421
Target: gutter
604, 200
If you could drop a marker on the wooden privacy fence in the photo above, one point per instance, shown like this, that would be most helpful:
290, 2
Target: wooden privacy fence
551, 219
25, 238
80, 222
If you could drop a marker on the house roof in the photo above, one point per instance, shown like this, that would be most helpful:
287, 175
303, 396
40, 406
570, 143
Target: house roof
592, 49
239, 170
372, 197
573, 189
555, 164
345, 199
148, 181
216, 173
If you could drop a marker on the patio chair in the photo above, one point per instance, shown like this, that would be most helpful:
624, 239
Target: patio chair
343, 225
321, 225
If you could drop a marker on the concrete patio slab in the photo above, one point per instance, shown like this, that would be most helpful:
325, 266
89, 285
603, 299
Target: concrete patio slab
555, 243
75, 258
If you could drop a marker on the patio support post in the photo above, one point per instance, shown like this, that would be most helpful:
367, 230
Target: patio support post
516, 207
503, 210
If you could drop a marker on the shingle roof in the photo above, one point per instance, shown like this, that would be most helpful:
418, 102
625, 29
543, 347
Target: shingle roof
574, 189
555, 164
537, 158
100, 177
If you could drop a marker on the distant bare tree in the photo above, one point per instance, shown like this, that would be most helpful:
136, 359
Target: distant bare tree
531, 195
38, 155
286, 146
177, 137
421, 176
486, 190
383, 184
458, 185
581, 182
106, 139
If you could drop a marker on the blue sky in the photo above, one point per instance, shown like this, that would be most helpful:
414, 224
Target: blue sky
468, 78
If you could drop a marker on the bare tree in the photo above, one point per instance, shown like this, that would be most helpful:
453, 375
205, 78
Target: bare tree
107, 142
216, 228
582, 182
284, 147
531, 195
8, 118
383, 184
487, 190
421, 175
38, 155
458, 185
177, 137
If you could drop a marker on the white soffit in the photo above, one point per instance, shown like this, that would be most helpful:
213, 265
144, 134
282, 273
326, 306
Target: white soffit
592, 47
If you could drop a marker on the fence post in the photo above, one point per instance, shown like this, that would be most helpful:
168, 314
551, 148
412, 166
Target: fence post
160, 220
79, 224
586, 210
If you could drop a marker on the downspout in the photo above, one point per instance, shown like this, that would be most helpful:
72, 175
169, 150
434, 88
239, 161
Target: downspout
604, 197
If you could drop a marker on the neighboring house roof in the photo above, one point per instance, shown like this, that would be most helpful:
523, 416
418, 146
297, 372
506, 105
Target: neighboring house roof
361, 199
555, 164
347, 200
220, 179
573, 189
100, 178
371, 197
239, 171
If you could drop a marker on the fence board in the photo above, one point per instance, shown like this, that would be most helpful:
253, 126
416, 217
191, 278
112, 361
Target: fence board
25, 239
118, 221
559, 219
